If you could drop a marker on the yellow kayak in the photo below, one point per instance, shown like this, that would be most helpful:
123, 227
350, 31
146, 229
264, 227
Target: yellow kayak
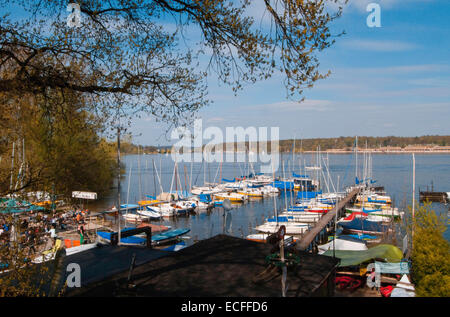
147, 202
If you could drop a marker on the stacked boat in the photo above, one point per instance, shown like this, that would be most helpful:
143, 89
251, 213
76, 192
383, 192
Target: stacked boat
139, 240
370, 217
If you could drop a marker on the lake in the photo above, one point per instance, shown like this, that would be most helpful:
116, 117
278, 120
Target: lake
393, 171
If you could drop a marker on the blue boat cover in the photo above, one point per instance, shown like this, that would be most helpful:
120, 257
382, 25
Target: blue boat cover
283, 185
300, 176
362, 236
280, 219
360, 224
228, 181
308, 195
205, 198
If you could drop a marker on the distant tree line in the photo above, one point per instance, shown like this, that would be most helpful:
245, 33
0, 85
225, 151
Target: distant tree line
348, 143
342, 143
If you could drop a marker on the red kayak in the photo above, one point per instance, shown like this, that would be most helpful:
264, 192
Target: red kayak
347, 282
386, 291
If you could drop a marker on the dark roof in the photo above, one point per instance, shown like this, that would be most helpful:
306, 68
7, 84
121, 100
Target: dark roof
219, 266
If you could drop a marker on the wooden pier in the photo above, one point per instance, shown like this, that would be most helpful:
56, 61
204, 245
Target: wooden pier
440, 197
310, 237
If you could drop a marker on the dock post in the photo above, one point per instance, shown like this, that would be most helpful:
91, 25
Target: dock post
149, 238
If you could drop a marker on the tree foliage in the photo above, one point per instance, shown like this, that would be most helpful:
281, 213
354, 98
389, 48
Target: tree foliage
129, 49
430, 254
57, 147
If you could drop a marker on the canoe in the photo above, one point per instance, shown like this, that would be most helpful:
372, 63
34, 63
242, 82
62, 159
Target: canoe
160, 238
168, 236
175, 247
80, 248
132, 241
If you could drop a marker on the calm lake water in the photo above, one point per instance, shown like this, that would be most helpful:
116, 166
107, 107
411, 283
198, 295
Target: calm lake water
393, 171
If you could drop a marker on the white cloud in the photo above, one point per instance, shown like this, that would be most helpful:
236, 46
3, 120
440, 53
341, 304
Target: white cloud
286, 106
378, 46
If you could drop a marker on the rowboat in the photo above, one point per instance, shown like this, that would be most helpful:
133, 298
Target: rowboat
343, 243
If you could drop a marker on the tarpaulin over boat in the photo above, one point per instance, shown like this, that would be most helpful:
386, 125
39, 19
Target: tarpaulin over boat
15, 206
307, 195
299, 176
364, 225
392, 268
385, 252
228, 180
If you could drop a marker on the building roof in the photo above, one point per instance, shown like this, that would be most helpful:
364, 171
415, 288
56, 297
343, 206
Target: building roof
221, 266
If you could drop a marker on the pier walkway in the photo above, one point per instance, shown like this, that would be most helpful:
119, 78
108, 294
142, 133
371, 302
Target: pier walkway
310, 237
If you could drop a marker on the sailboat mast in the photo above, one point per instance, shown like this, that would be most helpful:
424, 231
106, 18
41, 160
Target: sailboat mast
356, 158
118, 180
139, 168
413, 191
128, 189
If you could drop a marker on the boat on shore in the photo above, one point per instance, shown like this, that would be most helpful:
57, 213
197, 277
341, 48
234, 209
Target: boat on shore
360, 225
157, 239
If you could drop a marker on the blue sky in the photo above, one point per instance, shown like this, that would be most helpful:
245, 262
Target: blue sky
392, 80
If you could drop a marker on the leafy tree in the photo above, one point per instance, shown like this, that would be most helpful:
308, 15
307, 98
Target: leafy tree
430, 254
128, 49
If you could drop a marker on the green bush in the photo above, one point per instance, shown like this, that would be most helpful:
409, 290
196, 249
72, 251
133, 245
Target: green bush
430, 254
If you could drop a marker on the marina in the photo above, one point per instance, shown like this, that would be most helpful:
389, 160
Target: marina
254, 208
242, 149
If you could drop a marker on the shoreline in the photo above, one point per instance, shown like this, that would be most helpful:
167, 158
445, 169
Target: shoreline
330, 152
